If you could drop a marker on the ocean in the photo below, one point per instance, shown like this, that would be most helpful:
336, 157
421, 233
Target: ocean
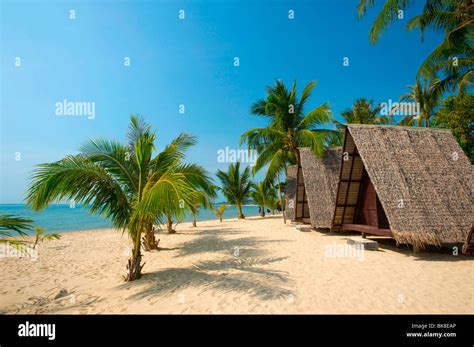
63, 218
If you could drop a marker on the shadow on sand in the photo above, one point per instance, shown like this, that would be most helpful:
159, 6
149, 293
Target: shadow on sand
243, 270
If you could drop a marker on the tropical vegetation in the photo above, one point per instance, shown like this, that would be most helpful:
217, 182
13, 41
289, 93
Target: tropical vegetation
236, 185
124, 182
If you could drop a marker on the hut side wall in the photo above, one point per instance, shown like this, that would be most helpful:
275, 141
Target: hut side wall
321, 176
290, 192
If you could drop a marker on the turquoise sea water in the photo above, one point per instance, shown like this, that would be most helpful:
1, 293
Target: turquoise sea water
59, 218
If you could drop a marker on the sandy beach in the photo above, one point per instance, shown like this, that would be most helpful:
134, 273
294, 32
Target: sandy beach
248, 266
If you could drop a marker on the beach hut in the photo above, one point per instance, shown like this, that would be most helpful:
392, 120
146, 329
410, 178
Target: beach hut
290, 193
412, 184
321, 176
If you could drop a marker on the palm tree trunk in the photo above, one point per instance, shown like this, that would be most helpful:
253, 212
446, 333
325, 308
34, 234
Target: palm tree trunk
283, 208
149, 241
262, 211
240, 214
194, 220
134, 265
220, 219
427, 120
169, 223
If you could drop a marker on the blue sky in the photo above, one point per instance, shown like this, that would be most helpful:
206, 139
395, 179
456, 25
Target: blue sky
175, 61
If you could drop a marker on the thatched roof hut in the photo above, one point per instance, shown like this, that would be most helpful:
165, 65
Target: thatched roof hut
414, 184
321, 176
290, 193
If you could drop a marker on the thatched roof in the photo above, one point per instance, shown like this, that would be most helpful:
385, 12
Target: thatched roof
421, 176
321, 176
290, 194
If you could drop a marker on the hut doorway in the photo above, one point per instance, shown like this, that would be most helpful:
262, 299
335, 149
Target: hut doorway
370, 217
370, 210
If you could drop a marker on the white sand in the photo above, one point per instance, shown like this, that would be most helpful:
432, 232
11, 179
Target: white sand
250, 266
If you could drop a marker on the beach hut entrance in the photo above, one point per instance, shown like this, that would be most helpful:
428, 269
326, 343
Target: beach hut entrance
369, 216
358, 207
370, 211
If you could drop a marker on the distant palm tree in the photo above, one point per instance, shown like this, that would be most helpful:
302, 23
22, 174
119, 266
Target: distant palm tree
427, 96
124, 183
362, 112
219, 212
235, 186
261, 196
453, 57
200, 199
289, 128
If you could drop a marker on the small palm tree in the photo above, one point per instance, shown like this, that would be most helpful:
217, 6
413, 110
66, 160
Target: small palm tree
219, 212
41, 236
200, 199
235, 186
258, 195
123, 182
427, 95
202, 192
261, 194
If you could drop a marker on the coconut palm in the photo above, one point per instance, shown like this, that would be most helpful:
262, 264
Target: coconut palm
124, 183
236, 186
363, 112
219, 212
289, 128
427, 95
453, 56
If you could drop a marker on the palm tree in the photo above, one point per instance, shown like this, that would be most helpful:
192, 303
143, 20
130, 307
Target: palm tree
453, 57
260, 193
203, 192
124, 183
235, 186
219, 212
362, 112
457, 114
12, 223
41, 236
288, 129
198, 199
427, 95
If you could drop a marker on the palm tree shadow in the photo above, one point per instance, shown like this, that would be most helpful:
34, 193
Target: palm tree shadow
245, 246
243, 275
